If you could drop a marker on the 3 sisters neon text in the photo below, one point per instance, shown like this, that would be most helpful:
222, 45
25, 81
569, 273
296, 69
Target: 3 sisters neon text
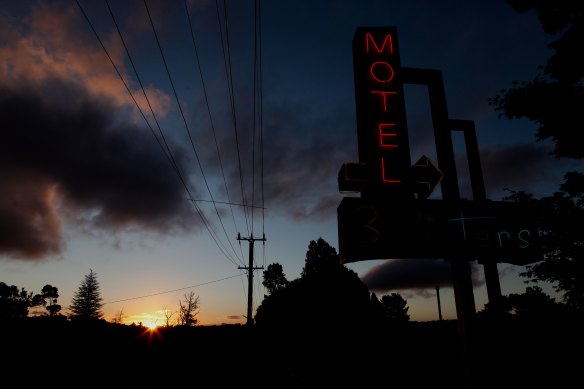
433, 228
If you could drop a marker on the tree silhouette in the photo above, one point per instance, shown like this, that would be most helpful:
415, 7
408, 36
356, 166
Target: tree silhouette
86, 303
50, 294
167, 317
325, 292
555, 97
274, 278
119, 317
188, 310
328, 318
13, 302
534, 304
321, 258
562, 217
377, 308
561, 223
395, 308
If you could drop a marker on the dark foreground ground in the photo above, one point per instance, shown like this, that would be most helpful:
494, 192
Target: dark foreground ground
60, 354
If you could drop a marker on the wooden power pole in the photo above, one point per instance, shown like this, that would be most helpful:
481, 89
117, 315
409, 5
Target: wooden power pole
250, 270
439, 306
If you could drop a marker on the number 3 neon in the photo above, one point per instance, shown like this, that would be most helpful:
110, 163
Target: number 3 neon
370, 215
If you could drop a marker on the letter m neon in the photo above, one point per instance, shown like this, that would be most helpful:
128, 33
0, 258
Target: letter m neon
370, 43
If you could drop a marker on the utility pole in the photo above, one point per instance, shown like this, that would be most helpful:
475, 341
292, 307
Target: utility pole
439, 307
250, 270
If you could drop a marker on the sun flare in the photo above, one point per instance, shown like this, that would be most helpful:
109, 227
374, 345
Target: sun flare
146, 319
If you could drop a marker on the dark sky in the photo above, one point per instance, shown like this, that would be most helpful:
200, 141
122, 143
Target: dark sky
76, 153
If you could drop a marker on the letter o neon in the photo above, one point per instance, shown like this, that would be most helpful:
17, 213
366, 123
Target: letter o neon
388, 70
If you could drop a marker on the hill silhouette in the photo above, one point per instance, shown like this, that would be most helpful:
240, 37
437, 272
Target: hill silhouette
512, 353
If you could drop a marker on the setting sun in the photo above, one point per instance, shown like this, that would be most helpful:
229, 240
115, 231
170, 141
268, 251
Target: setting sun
145, 319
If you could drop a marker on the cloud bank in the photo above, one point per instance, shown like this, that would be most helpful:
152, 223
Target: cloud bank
414, 275
70, 149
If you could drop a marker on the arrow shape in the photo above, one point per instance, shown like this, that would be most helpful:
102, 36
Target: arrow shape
352, 177
424, 177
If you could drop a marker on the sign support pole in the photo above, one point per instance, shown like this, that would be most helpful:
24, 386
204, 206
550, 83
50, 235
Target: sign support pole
479, 194
394, 217
461, 271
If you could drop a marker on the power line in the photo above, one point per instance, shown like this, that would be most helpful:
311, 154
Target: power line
119, 74
261, 122
168, 156
171, 291
174, 164
224, 202
210, 116
229, 76
255, 86
258, 72
185, 122
257, 113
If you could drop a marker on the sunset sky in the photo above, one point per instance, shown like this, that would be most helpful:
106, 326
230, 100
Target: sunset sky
137, 188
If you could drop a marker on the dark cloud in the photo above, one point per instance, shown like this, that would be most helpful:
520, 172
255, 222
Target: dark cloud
303, 150
306, 150
233, 317
527, 167
410, 274
66, 152
29, 224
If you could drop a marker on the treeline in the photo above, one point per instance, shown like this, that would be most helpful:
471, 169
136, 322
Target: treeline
86, 305
16, 302
325, 289
324, 329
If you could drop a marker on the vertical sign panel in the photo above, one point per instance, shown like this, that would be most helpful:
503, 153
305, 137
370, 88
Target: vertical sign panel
381, 121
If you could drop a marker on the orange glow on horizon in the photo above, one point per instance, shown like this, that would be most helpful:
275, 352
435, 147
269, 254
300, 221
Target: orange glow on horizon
147, 319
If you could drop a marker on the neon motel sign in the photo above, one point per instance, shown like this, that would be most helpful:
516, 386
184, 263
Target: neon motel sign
384, 152
387, 221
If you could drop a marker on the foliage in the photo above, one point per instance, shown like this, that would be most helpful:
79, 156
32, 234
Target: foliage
168, 314
532, 304
50, 294
14, 303
329, 318
554, 106
395, 308
326, 294
555, 97
561, 222
87, 302
274, 278
188, 310
119, 317
321, 258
